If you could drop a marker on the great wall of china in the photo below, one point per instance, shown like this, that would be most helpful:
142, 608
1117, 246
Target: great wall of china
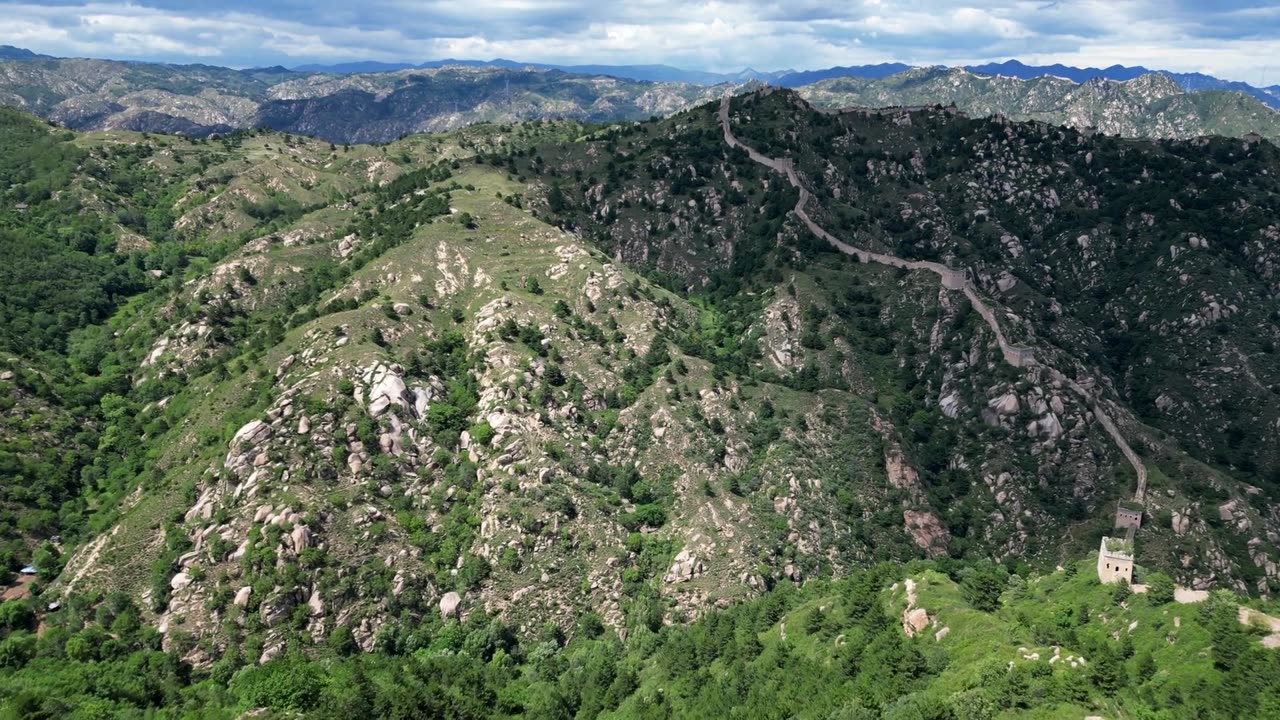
1019, 356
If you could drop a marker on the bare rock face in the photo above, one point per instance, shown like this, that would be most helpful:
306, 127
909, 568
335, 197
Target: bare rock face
950, 405
927, 530
347, 245
915, 621
244, 446
387, 388
1047, 425
300, 538
685, 567
242, 596
1006, 404
315, 603
450, 605
1181, 523
402, 309
276, 611
900, 474
253, 433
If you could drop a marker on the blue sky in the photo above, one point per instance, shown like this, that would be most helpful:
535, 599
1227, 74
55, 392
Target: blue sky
1229, 38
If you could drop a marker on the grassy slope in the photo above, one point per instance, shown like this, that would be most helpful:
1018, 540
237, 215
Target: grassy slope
980, 646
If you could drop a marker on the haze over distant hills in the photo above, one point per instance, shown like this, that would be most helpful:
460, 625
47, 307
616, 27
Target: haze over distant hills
648, 73
1191, 82
371, 102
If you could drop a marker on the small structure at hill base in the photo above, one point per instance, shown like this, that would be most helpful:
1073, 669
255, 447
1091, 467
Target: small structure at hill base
1115, 560
1128, 515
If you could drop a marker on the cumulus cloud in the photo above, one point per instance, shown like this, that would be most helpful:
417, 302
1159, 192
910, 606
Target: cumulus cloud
1230, 38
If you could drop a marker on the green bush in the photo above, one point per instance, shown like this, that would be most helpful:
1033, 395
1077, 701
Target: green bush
481, 434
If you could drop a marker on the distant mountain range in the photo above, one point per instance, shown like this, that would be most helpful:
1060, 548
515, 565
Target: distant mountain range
646, 73
201, 100
9, 52
805, 77
1191, 82
1152, 105
376, 102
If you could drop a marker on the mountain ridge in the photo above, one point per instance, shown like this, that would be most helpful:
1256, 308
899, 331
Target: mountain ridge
489, 383
202, 100
787, 78
790, 78
1151, 105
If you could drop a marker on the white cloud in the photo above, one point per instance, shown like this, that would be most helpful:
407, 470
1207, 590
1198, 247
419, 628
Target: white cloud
1182, 35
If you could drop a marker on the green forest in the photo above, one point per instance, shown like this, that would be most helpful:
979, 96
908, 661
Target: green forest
832, 649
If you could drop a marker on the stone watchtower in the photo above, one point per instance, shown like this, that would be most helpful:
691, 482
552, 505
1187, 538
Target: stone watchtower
1128, 515
1115, 560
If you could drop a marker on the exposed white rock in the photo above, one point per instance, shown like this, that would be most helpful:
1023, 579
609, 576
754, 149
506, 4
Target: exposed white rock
686, 566
914, 621
300, 538
316, 603
950, 405
1006, 404
253, 433
1181, 523
450, 605
387, 388
347, 245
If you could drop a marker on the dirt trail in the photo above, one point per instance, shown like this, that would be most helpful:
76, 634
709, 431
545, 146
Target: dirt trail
952, 279
89, 561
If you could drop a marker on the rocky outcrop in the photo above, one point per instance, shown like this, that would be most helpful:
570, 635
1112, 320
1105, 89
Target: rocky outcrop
927, 531
386, 388
451, 605
685, 567
914, 619
1181, 522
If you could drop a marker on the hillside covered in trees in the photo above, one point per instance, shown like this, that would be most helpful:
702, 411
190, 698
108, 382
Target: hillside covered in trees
563, 420
997, 645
